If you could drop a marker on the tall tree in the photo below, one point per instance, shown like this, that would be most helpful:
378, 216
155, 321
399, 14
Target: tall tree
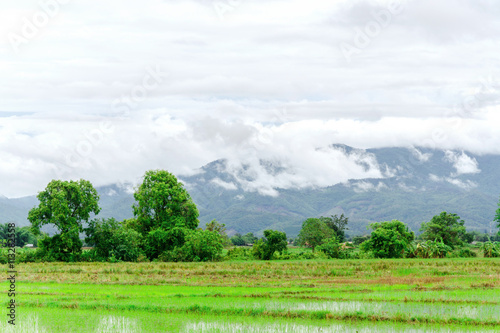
65, 204
163, 202
313, 233
446, 227
337, 224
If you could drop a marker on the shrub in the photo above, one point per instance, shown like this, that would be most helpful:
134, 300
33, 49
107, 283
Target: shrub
388, 239
239, 253
275, 241
333, 249
491, 250
430, 249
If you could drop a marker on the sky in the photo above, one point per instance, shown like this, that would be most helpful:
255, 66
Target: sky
105, 90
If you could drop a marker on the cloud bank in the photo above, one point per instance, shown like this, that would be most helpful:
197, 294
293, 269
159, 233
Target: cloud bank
106, 91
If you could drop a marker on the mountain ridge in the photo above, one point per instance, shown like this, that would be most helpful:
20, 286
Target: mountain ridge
414, 184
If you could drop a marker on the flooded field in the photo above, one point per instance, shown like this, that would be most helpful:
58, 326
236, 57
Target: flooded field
372, 296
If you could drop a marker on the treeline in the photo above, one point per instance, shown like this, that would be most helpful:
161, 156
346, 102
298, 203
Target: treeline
165, 228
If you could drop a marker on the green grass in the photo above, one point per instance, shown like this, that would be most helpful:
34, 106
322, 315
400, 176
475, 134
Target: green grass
405, 295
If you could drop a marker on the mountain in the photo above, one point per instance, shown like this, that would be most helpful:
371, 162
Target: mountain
411, 185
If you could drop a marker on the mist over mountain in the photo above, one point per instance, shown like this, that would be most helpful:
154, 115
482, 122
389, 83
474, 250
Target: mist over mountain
409, 184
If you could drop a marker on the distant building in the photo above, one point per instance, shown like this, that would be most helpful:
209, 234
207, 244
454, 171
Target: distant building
29, 245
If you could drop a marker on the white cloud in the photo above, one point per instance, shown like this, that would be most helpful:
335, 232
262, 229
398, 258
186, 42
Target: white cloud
224, 185
463, 163
268, 82
364, 186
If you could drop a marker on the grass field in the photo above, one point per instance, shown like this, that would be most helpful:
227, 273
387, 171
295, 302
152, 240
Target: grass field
407, 295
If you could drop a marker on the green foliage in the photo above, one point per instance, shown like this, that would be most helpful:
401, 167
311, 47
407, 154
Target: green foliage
249, 238
388, 239
313, 232
337, 224
445, 226
204, 245
430, 249
239, 253
199, 245
333, 249
162, 202
57, 248
357, 240
66, 204
275, 241
24, 235
220, 229
237, 240
160, 240
491, 250
468, 237
110, 239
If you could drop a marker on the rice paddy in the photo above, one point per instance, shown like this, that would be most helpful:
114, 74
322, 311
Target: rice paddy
406, 295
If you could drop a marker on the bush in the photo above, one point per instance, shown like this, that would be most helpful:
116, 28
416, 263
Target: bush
56, 248
204, 245
461, 253
388, 239
333, 249
491, 250
239, 253
111, 240
430, 249
200, 245
275, 241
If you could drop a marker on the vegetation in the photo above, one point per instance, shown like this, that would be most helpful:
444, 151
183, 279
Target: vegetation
66, 205
388, 239
274, 241
313, 233
446, 227
404, 295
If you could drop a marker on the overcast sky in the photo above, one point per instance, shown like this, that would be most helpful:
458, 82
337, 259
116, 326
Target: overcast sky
105, 90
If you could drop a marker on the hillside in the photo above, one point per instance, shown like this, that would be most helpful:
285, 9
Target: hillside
415, 185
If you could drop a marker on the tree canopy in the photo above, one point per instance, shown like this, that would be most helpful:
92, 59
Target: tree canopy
66, 204
314, 231
446, 227
274, 241
163, 202
389, 239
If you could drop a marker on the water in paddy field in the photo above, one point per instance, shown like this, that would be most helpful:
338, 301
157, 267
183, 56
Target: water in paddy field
107, 324
206, 327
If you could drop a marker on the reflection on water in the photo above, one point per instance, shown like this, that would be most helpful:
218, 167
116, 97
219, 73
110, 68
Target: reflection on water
206, 327
115, 324
107, 324
331, 306
29, 324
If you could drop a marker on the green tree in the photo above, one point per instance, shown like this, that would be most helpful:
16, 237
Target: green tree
337, 224
249, 238
446, 227
109, 238
163, 202
66, 204
237, 240
313, 232
388, 239
220, 229
332, 248
273, 241
203, 245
